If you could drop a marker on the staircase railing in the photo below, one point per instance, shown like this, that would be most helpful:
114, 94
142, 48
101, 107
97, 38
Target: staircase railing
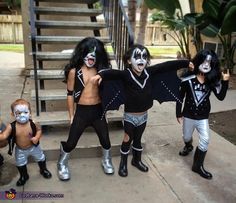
119, 28
34, 49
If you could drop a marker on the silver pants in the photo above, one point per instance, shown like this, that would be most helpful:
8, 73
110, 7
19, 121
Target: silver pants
202, 127
21, 155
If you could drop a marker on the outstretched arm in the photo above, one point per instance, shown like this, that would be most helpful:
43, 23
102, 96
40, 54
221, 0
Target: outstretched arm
170, 66
112, 74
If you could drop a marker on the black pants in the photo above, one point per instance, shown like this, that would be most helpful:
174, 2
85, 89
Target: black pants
135, 135
88, 115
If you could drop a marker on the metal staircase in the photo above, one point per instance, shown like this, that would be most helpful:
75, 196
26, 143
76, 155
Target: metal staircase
59, 25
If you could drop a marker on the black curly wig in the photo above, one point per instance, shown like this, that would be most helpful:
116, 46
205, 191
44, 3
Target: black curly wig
80, 52
212, 77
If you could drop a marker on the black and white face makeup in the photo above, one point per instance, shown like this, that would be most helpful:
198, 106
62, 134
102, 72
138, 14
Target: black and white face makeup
139, 59
205, 67
22, 113
90, 59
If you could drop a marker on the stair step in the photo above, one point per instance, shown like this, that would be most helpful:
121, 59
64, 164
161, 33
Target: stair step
61, 117
70, 1
49, 95
52, 56
48, 74
69, 25
87, 147
67, 11
65, 39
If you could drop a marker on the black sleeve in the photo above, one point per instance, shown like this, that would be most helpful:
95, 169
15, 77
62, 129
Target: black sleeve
168, 66
221, 93
111, 74
179, 105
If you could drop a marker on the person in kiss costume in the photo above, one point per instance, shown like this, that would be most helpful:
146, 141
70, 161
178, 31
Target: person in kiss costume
195, 90
26, 135
88, 58
139, 86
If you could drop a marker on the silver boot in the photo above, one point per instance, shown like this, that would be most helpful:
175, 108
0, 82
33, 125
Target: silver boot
62, 165
106, 162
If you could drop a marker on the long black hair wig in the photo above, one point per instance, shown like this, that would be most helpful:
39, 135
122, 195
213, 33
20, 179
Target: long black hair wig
212, 77
80, 52
127, 56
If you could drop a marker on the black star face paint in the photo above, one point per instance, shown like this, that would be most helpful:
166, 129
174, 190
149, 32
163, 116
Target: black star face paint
139, 59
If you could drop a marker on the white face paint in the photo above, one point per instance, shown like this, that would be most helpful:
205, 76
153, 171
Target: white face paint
205, 67
139, 59
90, 59
22, 113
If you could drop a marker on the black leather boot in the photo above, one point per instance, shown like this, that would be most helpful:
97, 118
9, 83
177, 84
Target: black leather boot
136, 160
43, 169
198, 161
123, 170
187, 148
23, 175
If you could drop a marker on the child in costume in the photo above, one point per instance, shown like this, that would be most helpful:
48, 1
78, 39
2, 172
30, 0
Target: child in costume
138, 80
88, 58
195, 90
26, 135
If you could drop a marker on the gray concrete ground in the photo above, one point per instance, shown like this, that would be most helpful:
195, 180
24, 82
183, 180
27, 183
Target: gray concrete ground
169, 179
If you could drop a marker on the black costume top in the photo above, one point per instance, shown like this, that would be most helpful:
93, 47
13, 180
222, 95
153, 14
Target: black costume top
139, 90
197, 102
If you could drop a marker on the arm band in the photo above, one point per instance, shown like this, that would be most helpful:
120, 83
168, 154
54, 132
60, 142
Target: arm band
69, 92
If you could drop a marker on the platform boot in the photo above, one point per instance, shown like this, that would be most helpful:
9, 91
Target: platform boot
43, 169
62, 165
123, 170
187, 148
23, 175
136, 160
107, 162
198, 161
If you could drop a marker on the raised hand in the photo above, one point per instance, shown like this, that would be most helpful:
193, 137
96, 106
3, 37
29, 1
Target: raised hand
225, 76
97, 79
191, 66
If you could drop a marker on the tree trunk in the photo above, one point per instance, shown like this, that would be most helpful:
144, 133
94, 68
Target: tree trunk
142, 23
132, 5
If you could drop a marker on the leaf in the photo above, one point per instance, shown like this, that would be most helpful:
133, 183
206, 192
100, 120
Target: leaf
211, 7
210, 31
228, 24
226, 7
191, 18
169, 6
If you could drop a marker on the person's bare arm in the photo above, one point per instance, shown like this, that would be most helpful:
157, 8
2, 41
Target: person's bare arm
70, 98
38, 135
5, 134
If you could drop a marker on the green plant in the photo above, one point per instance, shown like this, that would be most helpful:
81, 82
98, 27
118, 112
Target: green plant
170, 14
14, 3
218, 20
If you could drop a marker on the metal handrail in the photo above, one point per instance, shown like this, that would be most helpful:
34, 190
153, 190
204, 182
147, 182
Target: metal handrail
119, 28
34, 50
